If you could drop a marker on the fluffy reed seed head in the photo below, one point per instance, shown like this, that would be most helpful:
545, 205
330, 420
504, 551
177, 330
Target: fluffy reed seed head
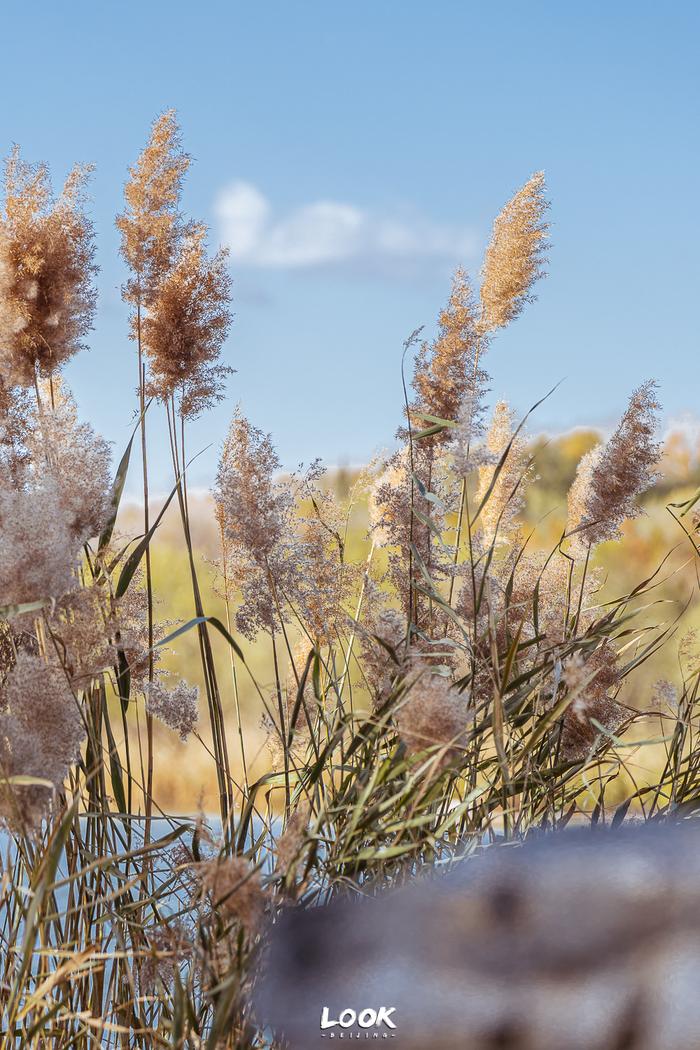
289, 845
468, 454
593, 701
447, 372
170, 943
38, 549
151, 224
389, 501
40, 736
254, 508
235, 890
78, 460
177, 708
664, 698
82, 626
55, 498
325, 578
283, 559
186, 326
15, 431
130, 621
47, 269
433, 714
611, 476
380, 621
406, 511
515, 256
500, 515
255, 513
323, 581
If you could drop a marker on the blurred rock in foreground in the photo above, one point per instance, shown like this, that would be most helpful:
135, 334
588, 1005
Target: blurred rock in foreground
577, 942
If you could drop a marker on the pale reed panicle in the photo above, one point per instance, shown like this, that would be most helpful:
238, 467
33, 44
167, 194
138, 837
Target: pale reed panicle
47, 271
256, 515
664, 698
186, 326
468, 452
382, 632
407, 508
255, 507
515, 256
131, 630
500, 515
324, 581
592, 679
447, 371
41, 731
285, 560
288, 847
234, 889
433, 714
78, 460
177, 708
151, 225
38, 550
91, 631
327, 577
612, 476
55, 498
83, 629
15, 430
171, 943
389, 500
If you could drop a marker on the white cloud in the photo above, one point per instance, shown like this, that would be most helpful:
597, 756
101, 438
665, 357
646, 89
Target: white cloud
328, 232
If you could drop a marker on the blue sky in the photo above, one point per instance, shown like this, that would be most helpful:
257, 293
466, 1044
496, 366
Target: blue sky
356, 153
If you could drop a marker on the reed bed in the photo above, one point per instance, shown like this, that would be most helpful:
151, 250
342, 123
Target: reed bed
455, 688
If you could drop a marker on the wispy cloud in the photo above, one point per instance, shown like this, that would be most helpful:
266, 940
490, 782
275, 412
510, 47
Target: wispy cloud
328, 232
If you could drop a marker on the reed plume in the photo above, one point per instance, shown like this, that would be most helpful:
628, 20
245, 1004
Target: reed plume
591, 679
77, 459
502, 486
15, 430
38, 549
447, 373
234, 889
515, 256
288, 847
325, 579
611, 477
151, 225
433, 714
186, 326
47, 269
407, 506
41, 731
177, 708
83, 628
256, 513
152, 229
382, 636
285, 561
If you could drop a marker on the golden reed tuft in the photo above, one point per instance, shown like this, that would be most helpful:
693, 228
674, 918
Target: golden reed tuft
186, 327
181, 298
151, 225
515, 257
47, 269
